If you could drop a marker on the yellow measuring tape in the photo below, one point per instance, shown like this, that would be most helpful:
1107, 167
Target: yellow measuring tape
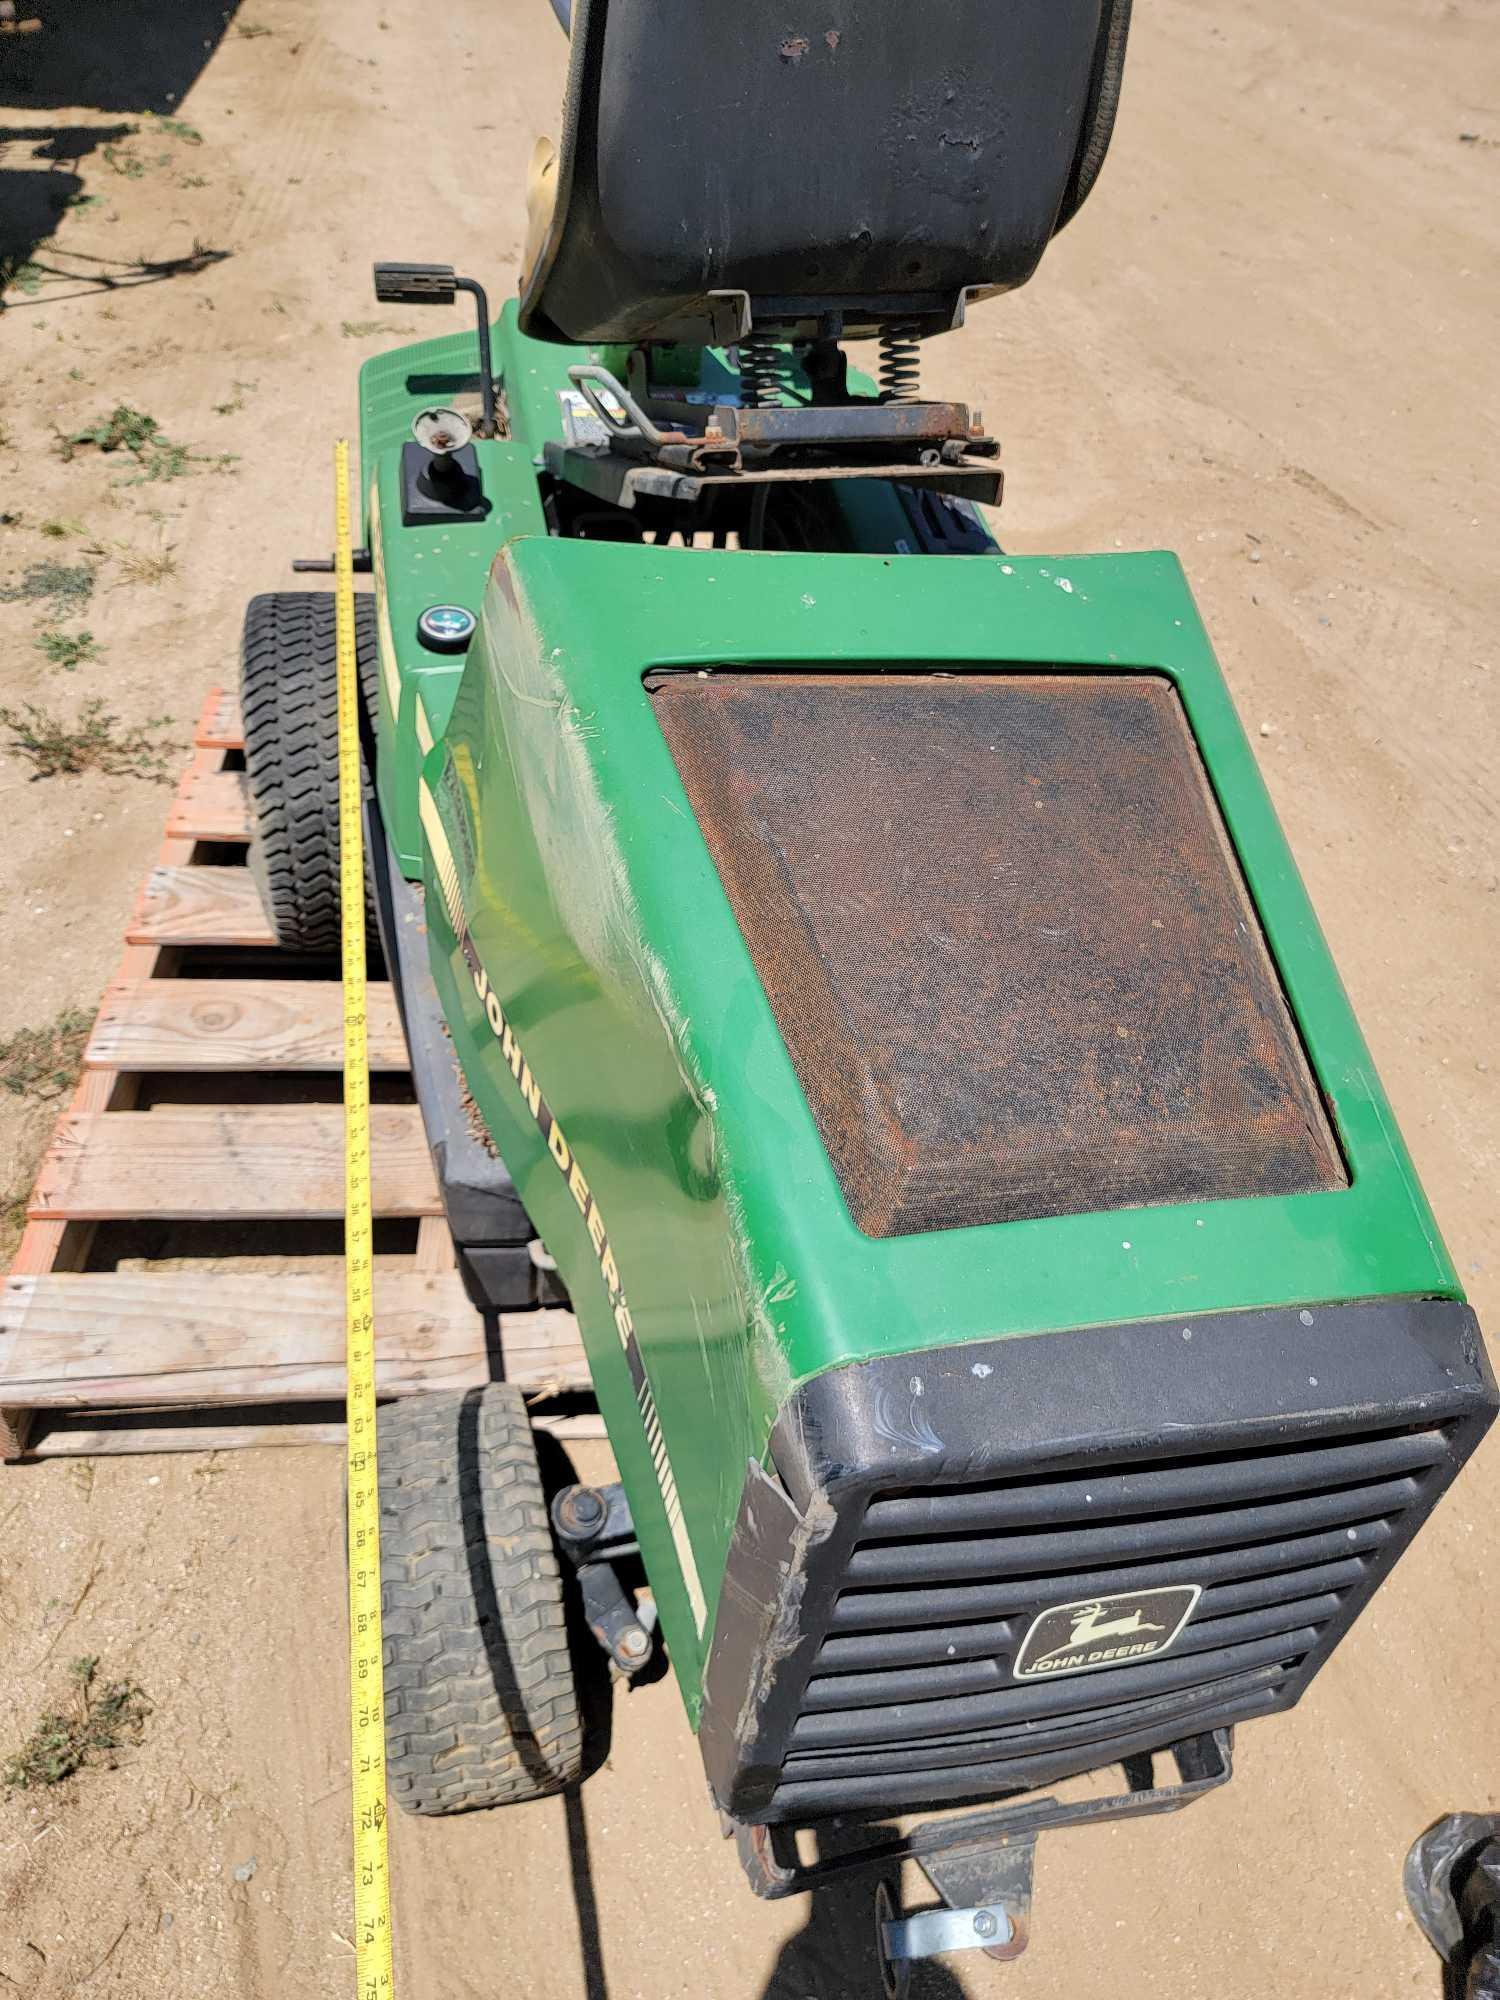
372, 1889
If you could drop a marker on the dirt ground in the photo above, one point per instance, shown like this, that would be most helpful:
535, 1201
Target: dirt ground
1268, 341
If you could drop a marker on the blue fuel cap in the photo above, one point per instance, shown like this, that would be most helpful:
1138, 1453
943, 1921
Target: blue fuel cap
446, 628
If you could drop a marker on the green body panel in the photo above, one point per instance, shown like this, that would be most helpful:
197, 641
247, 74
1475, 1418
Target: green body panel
444, 564
557, 832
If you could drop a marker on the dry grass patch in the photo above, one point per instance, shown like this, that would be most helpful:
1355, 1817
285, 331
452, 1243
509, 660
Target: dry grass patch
97, 1721
145, 565
44, 1062
66, 587
94, 741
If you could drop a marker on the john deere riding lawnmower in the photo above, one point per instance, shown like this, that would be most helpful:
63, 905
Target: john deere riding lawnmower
869, 963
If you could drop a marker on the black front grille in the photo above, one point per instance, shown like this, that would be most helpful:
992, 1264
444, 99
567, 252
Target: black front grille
912, 1688
907, 1617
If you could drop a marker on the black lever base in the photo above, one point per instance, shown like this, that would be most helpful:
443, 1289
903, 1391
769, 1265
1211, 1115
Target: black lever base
440, 486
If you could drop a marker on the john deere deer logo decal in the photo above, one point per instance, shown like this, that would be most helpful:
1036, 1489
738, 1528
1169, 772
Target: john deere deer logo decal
1104, 1631
1091, 1627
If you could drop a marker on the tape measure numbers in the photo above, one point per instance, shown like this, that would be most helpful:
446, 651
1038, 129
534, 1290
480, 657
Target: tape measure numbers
372, 1891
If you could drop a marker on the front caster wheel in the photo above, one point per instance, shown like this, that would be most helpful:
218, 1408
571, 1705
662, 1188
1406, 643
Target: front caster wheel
480, 1704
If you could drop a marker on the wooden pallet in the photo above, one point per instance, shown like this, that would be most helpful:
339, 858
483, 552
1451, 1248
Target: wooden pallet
179, 1284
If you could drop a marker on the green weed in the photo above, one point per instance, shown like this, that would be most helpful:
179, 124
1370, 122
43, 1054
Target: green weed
67, 587
68, 649
20, 274
176, 128
237, 401
125, 429
44, 1062
121, 160
168, 461
96, 1722
94, 741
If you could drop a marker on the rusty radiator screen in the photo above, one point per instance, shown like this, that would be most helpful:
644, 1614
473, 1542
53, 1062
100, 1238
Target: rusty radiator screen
1005, 939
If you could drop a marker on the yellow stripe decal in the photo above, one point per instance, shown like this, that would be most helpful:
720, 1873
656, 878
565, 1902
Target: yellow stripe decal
390, 671
567, 1165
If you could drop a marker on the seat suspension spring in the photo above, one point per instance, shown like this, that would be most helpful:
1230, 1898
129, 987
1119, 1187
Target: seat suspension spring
900, 370
762, 373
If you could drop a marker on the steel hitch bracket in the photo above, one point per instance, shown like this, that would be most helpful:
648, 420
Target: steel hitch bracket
594, 1531
979, 1863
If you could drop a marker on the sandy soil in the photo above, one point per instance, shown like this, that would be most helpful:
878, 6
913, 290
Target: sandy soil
1268, 341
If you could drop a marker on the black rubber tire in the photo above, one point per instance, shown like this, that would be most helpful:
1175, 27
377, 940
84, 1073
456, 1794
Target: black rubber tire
480, 1703
289, 697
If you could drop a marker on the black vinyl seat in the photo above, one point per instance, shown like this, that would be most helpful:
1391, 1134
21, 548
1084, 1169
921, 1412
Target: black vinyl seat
866, 171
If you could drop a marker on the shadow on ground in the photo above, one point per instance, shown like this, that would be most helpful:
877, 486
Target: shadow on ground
99, 55
111, 56
834, 1956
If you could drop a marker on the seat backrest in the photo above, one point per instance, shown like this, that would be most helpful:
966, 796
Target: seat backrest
877, 164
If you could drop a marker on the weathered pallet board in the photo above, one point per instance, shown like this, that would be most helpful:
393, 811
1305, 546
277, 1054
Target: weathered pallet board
212, 805
73, 1340
200, 906
196, 1354
221, 726
229, 1163
237, 1024
71, 1437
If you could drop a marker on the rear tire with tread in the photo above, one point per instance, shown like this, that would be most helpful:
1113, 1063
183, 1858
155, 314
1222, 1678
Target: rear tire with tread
480, 1703
289, 698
